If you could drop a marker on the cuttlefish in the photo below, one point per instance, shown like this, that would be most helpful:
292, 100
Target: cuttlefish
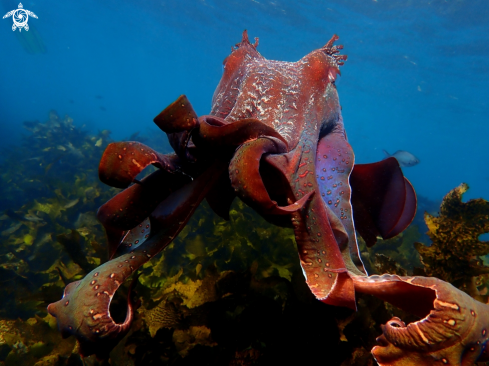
275, 138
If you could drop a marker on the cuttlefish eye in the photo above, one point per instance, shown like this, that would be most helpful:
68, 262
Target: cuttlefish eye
337, 80
224, 63
334, 77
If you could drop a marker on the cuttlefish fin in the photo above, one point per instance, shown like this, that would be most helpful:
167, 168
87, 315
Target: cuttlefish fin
383, 200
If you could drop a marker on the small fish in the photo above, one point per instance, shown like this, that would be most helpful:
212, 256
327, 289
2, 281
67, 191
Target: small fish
73, 150
71, 203
48, 168
84, 231
36, 158
32, 217
405, 158
44, 239
12, 229
99, 142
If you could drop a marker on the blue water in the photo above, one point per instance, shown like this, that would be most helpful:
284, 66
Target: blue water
417, 77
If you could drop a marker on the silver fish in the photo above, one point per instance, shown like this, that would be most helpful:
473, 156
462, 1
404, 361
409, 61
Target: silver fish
32, 217
12, 229
71, 203
73, 150
405, 158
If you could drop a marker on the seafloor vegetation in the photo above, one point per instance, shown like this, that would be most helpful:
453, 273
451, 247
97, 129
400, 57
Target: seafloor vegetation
223, 293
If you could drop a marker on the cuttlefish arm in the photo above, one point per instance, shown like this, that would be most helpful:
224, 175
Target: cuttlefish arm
334, 164
178, 120
123, 161
84, 309
453, 329
322, 234
129, 208
244, 173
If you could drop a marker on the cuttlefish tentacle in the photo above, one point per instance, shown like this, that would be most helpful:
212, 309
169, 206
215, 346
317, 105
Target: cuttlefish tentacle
123, 161
84, 309
454, 328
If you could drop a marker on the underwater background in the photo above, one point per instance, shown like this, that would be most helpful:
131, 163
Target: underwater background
415, 80
91, 72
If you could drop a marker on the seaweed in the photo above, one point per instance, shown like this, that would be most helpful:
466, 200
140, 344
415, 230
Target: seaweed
51, 193
223, 293
455, 253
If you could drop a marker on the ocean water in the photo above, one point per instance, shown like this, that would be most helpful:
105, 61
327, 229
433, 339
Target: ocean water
416, 79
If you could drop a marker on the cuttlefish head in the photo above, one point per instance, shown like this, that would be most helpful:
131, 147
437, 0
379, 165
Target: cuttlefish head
288, 96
